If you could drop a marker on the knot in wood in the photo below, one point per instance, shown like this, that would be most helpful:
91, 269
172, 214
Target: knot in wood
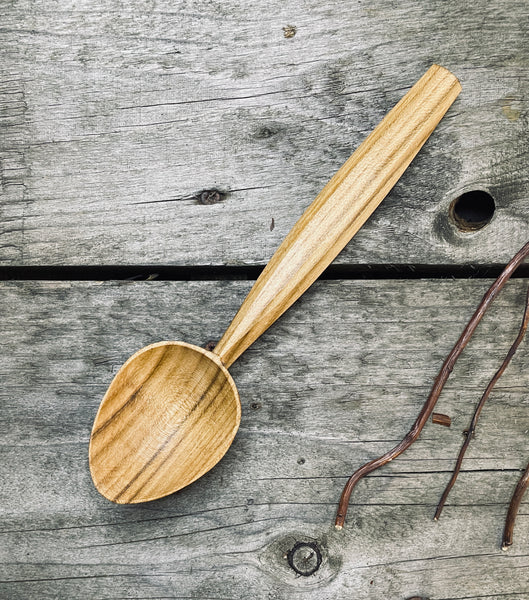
289, 31
210, 197
304, 558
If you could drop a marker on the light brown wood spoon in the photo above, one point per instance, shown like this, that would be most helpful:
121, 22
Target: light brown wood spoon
172, 410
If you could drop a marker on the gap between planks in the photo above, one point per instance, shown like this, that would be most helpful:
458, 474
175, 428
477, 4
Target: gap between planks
247, 272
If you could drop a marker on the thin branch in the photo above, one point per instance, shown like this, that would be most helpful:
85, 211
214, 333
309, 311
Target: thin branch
472, 428
437, 388
513, 509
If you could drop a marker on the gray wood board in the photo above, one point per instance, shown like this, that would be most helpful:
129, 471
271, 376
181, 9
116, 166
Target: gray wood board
115, 116
337, 381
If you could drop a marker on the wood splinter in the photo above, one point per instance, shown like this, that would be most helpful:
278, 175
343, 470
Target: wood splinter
437, 388
440, 419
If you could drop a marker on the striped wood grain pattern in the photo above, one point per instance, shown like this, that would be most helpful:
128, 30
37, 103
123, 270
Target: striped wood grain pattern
341, 208
170, 401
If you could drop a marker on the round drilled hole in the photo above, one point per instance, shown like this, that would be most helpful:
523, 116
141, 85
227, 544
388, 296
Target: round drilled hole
472, 210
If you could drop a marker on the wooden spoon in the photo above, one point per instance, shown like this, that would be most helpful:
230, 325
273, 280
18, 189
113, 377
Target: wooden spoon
172, 410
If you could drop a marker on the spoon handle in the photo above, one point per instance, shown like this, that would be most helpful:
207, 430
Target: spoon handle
341, 208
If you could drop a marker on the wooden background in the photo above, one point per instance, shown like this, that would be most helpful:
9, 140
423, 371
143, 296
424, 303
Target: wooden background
185, 138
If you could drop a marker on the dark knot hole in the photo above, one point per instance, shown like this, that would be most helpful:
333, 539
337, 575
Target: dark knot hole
472, 210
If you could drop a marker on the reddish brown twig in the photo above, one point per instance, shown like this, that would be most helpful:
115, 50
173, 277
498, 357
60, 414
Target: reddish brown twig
513, 509
437, 388
472, 428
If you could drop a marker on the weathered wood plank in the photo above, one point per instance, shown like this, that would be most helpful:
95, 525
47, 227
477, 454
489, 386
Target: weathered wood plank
115, 117
336, 381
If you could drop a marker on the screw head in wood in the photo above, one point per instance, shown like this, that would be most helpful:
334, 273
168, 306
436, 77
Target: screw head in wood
304, 558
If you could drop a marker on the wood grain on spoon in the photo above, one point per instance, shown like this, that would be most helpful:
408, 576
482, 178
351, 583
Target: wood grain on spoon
170, 400
172, 410
341, 208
